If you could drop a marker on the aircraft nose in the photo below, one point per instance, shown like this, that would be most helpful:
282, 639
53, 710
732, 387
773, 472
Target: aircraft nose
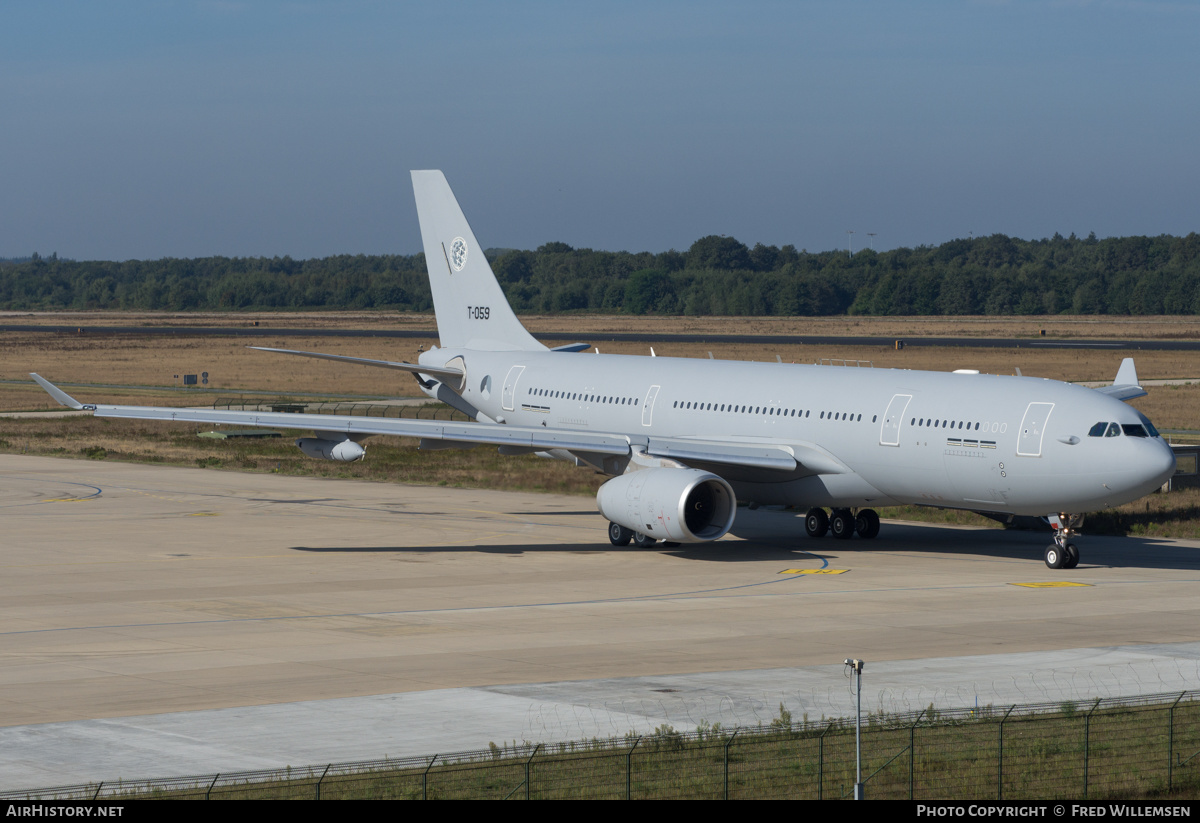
1159, 463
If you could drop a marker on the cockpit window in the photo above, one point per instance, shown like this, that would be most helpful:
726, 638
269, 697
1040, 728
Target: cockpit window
1098, 430
1149, 426
1113, 430
1134, 430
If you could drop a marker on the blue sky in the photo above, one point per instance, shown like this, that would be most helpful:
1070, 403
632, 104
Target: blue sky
152, 129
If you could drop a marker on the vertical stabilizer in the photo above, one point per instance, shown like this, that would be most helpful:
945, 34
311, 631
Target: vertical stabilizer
471, 309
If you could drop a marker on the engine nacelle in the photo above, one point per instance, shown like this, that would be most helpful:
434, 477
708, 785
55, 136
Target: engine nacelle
681, 505
345, 451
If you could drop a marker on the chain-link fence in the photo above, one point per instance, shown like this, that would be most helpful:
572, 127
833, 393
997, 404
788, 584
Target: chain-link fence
1119, 748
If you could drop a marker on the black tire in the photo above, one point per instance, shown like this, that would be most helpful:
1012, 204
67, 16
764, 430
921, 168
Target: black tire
841, 525
643, 541
816, 523
1055, 557
867, 524
1072, 556
618, 535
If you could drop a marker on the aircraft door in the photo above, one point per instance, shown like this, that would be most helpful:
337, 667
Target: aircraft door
889, 431
648, 408
1033, 428
510, 387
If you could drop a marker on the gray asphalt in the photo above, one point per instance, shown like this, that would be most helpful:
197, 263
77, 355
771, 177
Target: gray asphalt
163, 621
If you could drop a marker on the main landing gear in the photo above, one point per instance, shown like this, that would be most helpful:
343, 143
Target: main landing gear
1063, 554
842, 523
618, 535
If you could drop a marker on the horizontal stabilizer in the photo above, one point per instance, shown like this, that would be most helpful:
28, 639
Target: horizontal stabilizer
573, 347
432, 371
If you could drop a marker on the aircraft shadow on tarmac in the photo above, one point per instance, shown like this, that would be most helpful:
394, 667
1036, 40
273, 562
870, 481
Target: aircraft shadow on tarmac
1098, 551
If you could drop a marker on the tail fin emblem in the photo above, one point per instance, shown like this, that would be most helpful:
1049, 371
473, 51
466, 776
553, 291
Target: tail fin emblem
458, 253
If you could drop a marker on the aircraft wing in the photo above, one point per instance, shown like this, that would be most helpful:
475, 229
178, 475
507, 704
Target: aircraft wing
1126, 385
472, 433
809, 458
769, 456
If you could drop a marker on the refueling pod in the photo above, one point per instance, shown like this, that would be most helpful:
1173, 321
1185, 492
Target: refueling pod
681, 505
345, 451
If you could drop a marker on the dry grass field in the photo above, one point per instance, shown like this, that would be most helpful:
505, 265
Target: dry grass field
1062, 327
141, 369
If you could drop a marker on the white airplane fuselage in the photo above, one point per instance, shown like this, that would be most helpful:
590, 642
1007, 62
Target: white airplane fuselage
1017, 445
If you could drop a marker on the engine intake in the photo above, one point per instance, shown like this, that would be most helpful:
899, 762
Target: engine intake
682, 505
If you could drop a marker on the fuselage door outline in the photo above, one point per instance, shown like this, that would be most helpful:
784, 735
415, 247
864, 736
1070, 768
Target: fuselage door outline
1033, 429
889, 430
648, 407
510, 387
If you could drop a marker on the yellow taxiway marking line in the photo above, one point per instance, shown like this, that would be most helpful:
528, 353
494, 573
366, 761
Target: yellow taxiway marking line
814, 571
65, 499
204, 514
1057, 584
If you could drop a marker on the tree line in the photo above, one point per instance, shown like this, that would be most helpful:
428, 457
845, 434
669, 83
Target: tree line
996, 275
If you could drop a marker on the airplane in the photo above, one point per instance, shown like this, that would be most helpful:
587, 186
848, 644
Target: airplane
684, 440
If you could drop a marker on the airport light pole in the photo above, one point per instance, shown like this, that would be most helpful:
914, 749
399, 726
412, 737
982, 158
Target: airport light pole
856, 667
850, 241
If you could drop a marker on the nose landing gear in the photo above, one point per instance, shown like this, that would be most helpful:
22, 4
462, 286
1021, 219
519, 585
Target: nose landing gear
1063, 554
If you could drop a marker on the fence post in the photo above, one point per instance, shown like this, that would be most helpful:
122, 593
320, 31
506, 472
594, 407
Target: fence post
425, 778
1087, 744
1171, 741
821, 760
322, 779
728, 743
100, 785
527, 762
629, 766
1000, 757
912, 751
208, 791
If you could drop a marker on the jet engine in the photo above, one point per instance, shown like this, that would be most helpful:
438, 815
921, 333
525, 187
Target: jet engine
682, 505
345, 451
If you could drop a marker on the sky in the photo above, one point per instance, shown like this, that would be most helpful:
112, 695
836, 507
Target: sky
140, 130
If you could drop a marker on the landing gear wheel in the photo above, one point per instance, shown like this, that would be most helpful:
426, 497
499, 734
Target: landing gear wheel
1072, 558
618, 535
643, 541
1064, 554
1055, 557
816, 523
867, 524
841, 525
